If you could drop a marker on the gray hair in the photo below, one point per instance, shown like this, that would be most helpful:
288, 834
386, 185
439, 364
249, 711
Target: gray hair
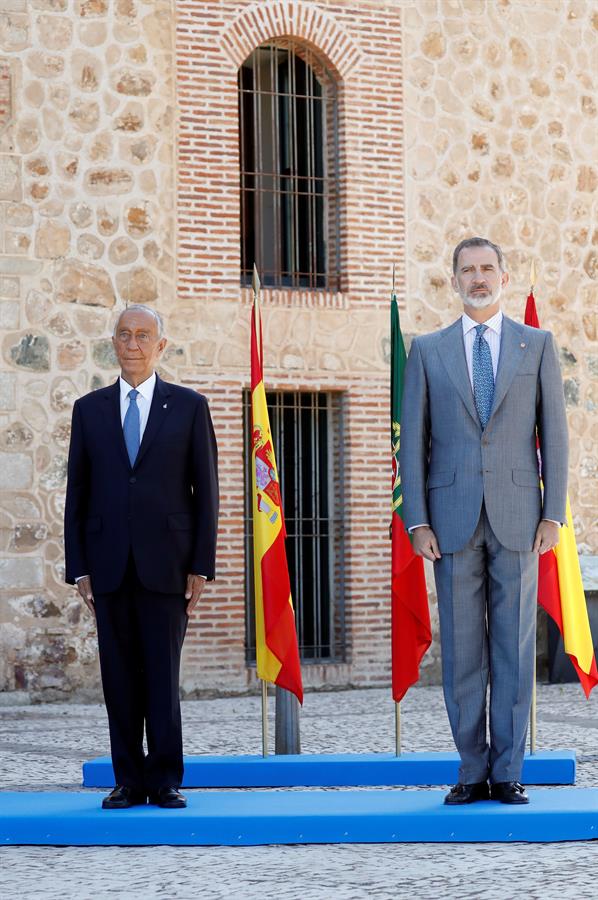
478, 242
140, 307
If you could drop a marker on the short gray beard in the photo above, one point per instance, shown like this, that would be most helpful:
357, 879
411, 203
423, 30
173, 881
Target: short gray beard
479, 302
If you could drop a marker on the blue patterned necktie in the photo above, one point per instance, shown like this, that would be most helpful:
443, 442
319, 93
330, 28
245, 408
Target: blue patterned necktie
483, 375
131, 427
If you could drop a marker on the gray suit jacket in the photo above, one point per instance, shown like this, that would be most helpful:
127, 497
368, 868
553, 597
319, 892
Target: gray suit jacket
449, 465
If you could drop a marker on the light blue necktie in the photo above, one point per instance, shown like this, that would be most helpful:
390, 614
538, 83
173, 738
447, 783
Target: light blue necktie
483, 376
131, 428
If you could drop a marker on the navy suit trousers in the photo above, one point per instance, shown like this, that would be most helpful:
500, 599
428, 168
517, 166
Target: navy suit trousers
140, 637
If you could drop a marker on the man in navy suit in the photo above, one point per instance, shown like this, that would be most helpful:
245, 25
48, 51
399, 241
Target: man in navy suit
140, 542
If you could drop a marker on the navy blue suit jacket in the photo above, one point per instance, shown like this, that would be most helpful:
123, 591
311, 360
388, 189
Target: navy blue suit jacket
164, 509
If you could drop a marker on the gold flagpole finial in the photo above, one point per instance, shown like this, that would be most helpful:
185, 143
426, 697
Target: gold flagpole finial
255, 282
532, 275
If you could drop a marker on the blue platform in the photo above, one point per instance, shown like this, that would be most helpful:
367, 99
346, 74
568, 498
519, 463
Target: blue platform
297, 817
341, 770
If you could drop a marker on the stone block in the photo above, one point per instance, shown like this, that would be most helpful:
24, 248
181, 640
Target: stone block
103, 354
134, 84
108, 181
52, 240
85, 115
10, 177
123, 251
10, 287
79, 282
87, 70
137, 285
91, 8
90, 246
14, 32
8, 391
16, 471
45, 65
19, 215
71, 354
21, 572
15, 437
138, 220
14, 265
32, 351
9, 315
50, 5
55, 32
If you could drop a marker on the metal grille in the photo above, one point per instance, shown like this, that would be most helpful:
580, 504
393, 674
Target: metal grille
306, 430
288, 122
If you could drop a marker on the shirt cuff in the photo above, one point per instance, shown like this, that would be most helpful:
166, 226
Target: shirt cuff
554, 521
421, 525
80, 578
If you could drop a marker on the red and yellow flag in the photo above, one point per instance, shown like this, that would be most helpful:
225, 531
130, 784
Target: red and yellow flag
276, 635
411, 632
560, 587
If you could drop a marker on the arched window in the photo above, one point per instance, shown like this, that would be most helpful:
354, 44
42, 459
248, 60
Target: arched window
288, 125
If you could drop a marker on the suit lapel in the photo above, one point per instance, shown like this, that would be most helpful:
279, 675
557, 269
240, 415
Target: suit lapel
111, 409
513, 348
162, 403
452, 353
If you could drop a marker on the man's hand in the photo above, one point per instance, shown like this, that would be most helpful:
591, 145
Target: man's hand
547, 536
84, 588
425, 543
195, 586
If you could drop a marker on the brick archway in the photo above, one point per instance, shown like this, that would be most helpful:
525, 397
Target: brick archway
262, 22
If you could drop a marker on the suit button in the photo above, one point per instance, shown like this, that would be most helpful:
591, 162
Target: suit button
132, 480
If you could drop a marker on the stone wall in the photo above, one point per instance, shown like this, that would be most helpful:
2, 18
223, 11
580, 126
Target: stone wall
498, 131
86, 224
501, 133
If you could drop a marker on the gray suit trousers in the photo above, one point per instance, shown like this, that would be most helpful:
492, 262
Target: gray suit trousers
487, 605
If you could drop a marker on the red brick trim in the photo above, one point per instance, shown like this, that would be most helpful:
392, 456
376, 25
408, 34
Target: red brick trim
263, 21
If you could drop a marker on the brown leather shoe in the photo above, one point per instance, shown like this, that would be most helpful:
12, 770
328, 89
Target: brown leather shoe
168, 798
508, 792
467, 793
123, 797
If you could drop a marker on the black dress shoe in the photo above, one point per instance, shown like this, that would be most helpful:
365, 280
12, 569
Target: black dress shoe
508, 792
168, 798
123, 797
467, 793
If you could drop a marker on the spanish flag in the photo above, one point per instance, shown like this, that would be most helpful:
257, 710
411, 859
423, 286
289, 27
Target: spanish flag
560, 588
276, 636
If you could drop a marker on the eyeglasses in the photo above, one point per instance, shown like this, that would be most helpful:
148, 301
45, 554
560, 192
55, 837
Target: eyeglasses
141, 337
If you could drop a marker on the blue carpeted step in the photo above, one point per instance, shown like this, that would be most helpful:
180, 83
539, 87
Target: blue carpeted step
297, 817
339, 769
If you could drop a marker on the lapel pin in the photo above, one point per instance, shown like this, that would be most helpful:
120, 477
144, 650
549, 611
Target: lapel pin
166, 404
522, 346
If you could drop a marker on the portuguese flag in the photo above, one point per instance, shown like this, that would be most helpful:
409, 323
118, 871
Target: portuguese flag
276, 635
560, 588
411, 632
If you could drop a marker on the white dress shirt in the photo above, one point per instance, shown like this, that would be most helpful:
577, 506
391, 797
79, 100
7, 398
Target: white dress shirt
144, 400
491, 336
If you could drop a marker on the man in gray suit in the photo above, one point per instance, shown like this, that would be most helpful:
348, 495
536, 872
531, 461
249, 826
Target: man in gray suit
476, 394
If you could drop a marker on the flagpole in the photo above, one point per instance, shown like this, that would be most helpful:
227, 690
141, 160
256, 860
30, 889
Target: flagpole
397, 729
533, 711
532, 718
264, 718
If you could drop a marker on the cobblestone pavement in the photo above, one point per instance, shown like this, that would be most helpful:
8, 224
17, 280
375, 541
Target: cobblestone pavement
42, 748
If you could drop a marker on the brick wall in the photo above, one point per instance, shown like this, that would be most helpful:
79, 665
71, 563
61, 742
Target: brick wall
313, 341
